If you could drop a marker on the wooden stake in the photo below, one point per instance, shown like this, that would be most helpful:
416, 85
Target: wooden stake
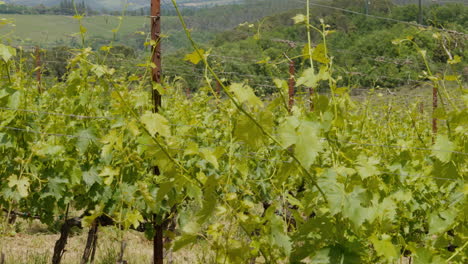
311, 98
218, 88
292, 83
434, 109
158, 242
156, 57
39, 71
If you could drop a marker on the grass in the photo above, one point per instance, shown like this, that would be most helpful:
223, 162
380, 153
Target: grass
29, 247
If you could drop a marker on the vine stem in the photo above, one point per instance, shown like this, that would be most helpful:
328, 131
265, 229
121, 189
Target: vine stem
458, 252
155, 140
238, 105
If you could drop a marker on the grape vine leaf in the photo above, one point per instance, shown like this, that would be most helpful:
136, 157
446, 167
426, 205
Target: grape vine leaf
22, 185
299, 18
195, 57
210, 157
280, 238
319, 54
384, 247
367, 166
441, 221
91, 176
109, 173
308, 144
156, 123
133, 218
442, 148
334, 190
245, 94
352, 208
287, 131
7, 52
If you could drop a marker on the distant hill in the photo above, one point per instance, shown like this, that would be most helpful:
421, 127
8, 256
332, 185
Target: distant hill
117, 4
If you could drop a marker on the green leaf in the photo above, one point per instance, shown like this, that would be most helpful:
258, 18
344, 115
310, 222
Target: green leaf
50, 150
83, 29
7, 52
101, 70
91, 176
183, 241
109, 173
195, 57
333, 189
311, 79
321, 257
308, 78
156, 124
367, 166
56, 187
133, 218
385, 248
425, 256
245, 94
85, 138
14, 100
442, 148
441, 221
299, 18
456, 59
191, 228
308, 143
352, 208
22, 185
164, 189
280, 238
209, 201
386, 210
247, 131
210, 157
287, 131
319, 54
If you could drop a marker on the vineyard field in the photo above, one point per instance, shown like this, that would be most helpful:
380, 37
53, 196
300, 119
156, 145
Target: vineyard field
49, 30
111, 155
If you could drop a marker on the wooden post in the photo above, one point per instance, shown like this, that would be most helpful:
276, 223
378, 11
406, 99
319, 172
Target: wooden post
292, 83
158, 242
434, 108
187, 91
420, 15
156, 57
311, 98
218, 88
39, 70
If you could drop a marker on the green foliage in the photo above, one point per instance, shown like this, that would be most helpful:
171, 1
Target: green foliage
246, 175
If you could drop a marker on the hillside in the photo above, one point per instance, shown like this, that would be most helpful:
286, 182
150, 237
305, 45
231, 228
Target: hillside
36, 29
117, 4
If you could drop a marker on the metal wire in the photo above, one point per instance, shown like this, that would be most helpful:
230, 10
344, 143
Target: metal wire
249, 154
57, 114
386, 18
